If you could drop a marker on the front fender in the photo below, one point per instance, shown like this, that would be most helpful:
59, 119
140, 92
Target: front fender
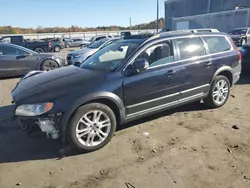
86, 99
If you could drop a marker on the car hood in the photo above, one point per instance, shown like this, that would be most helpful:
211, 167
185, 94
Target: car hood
48, 85
83, 51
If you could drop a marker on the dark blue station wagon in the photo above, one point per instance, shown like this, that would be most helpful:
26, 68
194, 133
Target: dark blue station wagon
127, 80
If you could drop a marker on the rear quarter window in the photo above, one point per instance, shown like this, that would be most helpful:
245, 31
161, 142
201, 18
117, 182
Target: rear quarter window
217, 44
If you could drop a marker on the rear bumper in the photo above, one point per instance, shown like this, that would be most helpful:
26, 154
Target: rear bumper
236, 73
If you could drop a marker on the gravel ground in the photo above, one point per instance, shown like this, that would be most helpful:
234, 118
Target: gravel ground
188, 147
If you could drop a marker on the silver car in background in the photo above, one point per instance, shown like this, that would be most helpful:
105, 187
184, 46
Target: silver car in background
78, 56
94, 39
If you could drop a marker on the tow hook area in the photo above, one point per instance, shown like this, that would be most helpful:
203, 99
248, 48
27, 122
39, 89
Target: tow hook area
47, 125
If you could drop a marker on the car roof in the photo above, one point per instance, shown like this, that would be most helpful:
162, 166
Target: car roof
241, 28
181, 34
177, 34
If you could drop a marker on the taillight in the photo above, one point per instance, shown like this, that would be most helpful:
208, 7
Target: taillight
240, 56
237, 49
50, 44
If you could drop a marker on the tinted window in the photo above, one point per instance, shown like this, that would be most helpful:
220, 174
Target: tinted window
99, 38
203, 31
217, 44
7, 50
6, 40
97, 44
190, 47
238, 32
159, 54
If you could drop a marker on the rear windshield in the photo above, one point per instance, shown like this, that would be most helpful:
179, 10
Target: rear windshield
217, 44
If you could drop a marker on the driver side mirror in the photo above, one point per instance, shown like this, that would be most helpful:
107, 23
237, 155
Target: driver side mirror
140, 65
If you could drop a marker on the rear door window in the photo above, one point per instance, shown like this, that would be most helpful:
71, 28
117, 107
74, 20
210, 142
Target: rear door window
217, 44
190, 47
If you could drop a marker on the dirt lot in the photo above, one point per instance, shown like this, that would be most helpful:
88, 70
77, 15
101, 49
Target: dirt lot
188, 147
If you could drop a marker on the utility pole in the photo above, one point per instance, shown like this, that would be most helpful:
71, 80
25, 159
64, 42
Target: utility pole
157, 20
130, 25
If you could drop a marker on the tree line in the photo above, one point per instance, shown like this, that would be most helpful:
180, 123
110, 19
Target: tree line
74, 28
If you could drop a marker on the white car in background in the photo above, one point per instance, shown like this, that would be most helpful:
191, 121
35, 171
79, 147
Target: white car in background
78, 56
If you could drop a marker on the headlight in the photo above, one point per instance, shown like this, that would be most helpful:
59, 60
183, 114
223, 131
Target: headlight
76, 56
33, 109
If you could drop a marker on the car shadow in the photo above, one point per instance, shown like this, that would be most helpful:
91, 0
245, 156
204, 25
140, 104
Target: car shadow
195, 106
16, 146
245, 79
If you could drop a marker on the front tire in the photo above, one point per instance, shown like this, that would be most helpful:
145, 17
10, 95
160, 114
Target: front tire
219, 92
91, 128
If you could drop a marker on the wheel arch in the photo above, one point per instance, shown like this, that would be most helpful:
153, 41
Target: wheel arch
225, 71
109, 99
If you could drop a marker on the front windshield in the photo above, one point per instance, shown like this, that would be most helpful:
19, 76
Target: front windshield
238, 32
91, 39
97, 44
111, 56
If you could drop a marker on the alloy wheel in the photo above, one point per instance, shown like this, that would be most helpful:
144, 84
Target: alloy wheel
93, 128
49, 65
220, 92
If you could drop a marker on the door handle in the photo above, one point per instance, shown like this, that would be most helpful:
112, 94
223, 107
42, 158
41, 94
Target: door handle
209, 63
170, 73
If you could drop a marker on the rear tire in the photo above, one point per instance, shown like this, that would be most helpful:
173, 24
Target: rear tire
91, 127
57, 49
39, 50
219, 92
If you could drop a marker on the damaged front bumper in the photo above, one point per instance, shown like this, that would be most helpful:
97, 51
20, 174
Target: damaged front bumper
48, 124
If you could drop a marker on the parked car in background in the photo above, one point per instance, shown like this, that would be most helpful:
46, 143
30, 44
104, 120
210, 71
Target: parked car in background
77, 42
240, 36
126, 33
67, 42
78, 56
128, 80
245, 50
203, 30
37, 46
96, 38
56, 44
16, 60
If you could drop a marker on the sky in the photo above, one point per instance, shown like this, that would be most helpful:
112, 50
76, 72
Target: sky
83, 13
